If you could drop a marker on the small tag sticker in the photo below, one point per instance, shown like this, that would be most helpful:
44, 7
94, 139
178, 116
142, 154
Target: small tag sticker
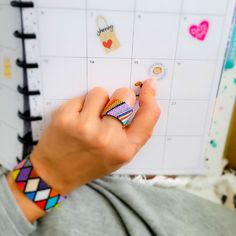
107, 35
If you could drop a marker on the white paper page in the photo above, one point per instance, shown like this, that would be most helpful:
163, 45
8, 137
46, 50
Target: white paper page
10, 76
180, 42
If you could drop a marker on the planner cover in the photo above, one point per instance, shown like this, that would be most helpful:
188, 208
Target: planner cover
10, 77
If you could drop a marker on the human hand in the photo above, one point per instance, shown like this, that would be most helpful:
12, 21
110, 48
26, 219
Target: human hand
79, 146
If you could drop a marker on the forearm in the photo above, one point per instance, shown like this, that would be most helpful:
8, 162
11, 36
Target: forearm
12, 219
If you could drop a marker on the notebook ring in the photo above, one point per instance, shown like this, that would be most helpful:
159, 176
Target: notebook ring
22, 4
27, 139
26, 116
25, 65
25, 91
21, 35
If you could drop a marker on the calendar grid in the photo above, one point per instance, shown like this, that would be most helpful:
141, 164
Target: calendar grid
87, 69
132, 50
128, 11
133, 60
168, 112
125, 58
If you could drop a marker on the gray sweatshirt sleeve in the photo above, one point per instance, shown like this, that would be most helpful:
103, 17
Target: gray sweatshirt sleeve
12, 219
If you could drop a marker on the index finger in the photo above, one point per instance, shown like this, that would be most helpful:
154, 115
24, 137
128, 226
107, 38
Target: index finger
140, 129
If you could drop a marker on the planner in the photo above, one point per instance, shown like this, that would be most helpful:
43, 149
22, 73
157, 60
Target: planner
72, 46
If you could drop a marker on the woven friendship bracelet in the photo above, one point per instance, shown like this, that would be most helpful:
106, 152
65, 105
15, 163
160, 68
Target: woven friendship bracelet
118, 109
31, 184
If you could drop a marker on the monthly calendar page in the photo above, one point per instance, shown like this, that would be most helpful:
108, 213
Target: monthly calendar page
83, 44
10, 76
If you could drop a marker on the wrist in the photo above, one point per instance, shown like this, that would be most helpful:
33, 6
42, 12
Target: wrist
48, 172
29, 209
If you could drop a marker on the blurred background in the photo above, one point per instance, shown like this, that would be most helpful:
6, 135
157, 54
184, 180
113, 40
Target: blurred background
230, 150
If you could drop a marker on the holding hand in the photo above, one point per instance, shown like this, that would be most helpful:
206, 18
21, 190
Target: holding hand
83, 142
80, 146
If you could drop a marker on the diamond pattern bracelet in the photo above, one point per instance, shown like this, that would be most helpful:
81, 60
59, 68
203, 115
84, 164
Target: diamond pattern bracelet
34, 187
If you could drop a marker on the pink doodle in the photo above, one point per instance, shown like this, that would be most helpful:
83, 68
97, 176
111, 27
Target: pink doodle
199, 31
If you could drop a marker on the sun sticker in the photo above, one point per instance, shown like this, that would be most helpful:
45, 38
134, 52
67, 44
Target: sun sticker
107, 35
157, 71
7, 69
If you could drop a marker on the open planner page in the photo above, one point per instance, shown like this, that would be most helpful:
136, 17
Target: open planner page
10, 77
83, 44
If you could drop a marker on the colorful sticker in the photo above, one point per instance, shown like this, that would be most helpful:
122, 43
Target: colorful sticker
138, 84
199, 31
107, 35
7, 68
157, 71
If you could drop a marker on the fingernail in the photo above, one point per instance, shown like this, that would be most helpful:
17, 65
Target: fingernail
152, 83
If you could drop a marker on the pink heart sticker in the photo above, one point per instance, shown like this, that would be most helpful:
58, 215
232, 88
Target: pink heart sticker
199, 31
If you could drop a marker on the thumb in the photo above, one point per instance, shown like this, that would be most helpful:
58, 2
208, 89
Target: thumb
147, 93
146, 117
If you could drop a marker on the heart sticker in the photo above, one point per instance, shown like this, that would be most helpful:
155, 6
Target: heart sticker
107, 44
199, 31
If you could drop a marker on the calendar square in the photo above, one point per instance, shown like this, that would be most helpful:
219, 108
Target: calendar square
150, 156
121, 5
187, 117
199, 37
69, 73
193, 79
165, 6
70, 40
49, 107
205, 7
62, 3
148, 44
182, 152
162, 70
104, 73
107, 28
161, 125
